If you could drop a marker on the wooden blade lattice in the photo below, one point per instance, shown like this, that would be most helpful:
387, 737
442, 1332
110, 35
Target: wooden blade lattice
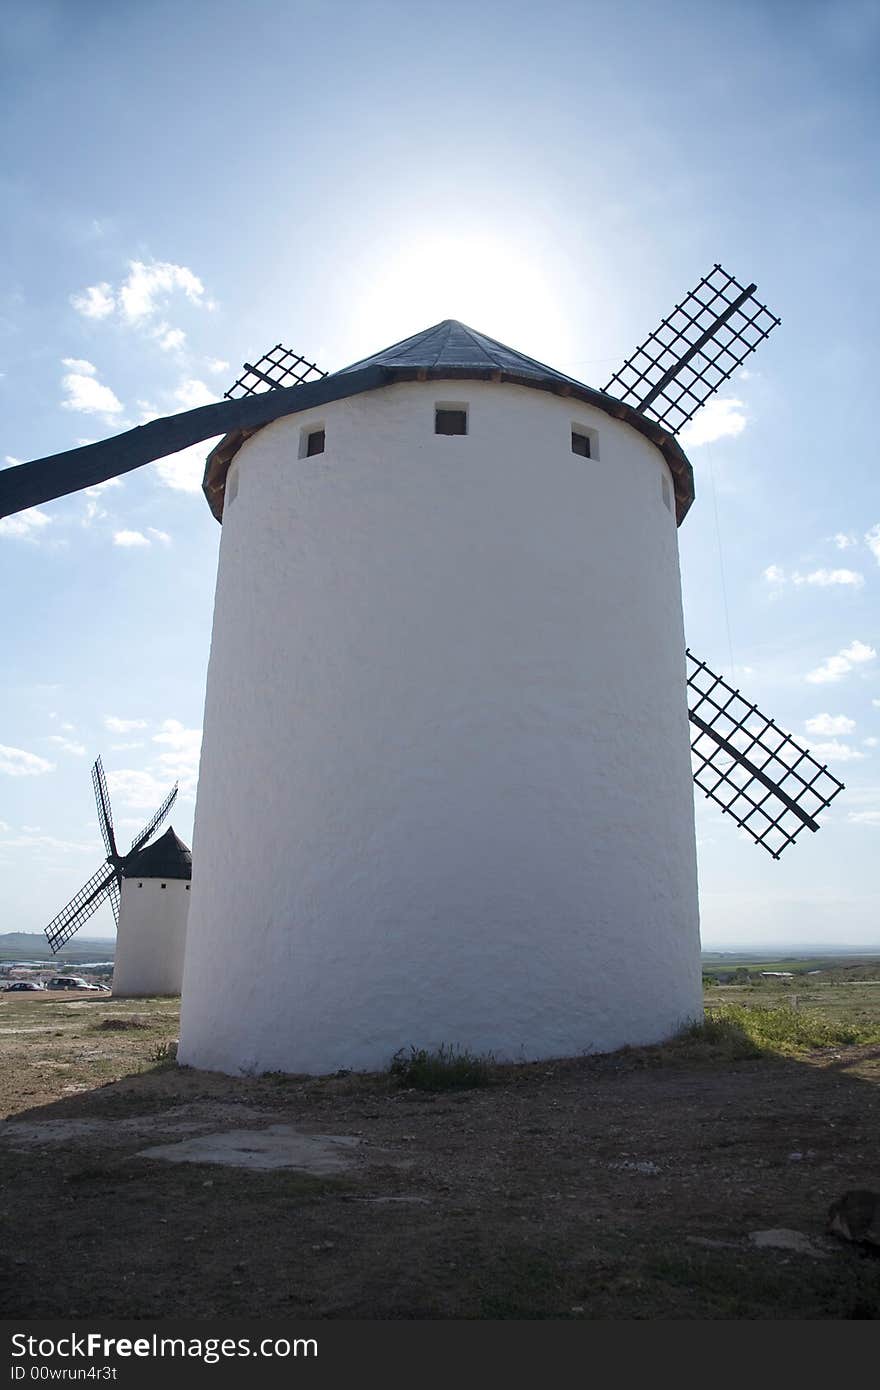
82, 905
279, 367
102, 801
154, 823
694, 351
755, 771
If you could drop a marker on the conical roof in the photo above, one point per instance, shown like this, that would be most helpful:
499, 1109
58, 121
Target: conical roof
453, 345
445, 352
167, 857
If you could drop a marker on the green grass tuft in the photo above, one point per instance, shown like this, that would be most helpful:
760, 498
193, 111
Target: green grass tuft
446, 1069
752, 1030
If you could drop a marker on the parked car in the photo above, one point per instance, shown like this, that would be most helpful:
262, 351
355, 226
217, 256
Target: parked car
69, 982
24, 984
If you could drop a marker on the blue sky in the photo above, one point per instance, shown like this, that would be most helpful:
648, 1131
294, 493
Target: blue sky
187, 185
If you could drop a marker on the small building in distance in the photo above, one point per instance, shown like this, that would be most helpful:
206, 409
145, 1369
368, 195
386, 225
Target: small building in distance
151, 938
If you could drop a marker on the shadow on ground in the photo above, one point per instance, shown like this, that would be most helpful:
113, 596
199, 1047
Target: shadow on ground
609, 1187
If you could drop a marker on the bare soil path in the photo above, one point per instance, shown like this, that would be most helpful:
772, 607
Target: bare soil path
614, 1187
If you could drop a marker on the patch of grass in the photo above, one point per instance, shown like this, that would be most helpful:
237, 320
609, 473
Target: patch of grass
165, 1054
117, 1025
448, 1068
752, 1030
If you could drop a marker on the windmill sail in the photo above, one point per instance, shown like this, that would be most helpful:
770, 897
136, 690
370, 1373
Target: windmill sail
153, 824
42, 480
694, 351
102, 801
277, 368
755, 771
80, 908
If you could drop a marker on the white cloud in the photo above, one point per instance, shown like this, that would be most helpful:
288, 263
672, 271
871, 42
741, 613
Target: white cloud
216, 364
25, 525
130, 539
162, 536
876, 704
85, 392
821, 578
825, 578
182, 760
169, 339
66, 744
192, 393
101, 487
864, 817
872, 541
138, 789
96, 302
185, 470
871, 742
844, 540
123, 726
11, 460
146, 285
837, 752
834, 668
147, 788
15, 762
93, 512
124, 747
832, 724
46, 842
719, 418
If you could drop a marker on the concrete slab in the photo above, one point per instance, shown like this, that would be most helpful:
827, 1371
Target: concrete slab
279, 1146
783, 1239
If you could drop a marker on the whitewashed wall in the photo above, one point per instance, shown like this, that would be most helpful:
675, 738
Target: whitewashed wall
151, 938
445, 790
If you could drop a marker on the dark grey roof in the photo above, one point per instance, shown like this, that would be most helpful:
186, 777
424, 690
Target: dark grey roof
167, 857
454, 345
447, 351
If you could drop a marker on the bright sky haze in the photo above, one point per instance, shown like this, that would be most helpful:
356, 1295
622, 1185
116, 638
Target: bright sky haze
186, 186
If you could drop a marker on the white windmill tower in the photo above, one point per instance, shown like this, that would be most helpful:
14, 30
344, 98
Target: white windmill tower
151, 938
446, 726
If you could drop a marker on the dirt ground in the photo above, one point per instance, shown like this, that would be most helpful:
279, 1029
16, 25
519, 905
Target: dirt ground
625, 1186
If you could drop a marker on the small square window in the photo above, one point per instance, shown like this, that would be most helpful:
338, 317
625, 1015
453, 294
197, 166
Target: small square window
163, 885
450, 421
314, 443
580, 444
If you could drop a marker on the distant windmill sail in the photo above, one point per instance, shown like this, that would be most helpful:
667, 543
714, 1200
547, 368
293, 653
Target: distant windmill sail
694, 351
105, 884
755, 771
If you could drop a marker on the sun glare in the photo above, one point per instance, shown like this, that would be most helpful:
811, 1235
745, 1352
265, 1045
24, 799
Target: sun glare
489, 284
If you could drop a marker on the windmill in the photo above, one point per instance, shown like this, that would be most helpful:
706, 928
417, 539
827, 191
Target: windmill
106, 882
420, 689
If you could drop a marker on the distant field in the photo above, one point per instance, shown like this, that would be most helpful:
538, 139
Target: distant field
844, 966
34, 946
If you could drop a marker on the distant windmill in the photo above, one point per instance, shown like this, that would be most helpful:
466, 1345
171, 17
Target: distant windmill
447, 702
106, 883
